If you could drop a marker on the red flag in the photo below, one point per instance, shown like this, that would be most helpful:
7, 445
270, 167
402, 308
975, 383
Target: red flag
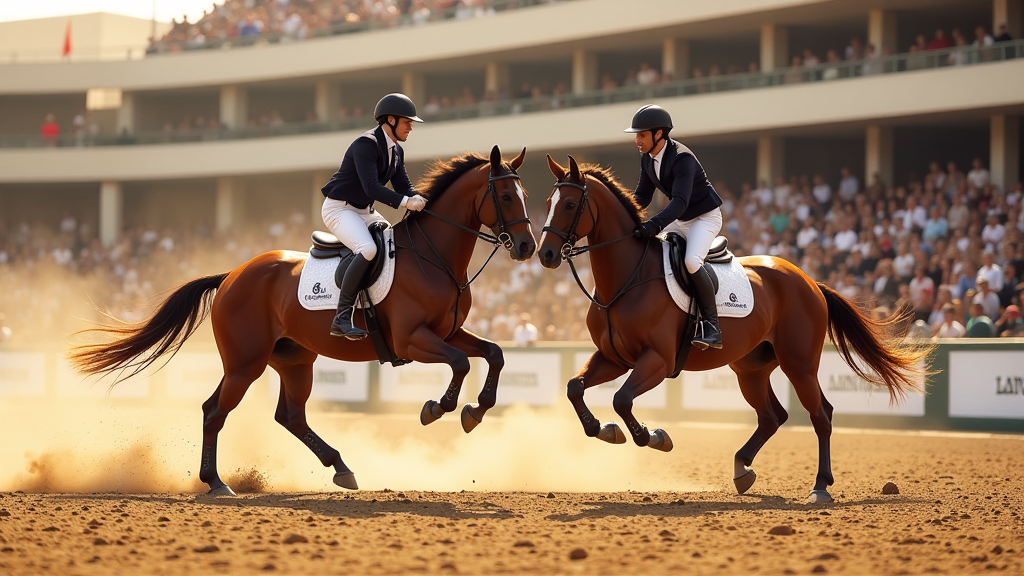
67, 41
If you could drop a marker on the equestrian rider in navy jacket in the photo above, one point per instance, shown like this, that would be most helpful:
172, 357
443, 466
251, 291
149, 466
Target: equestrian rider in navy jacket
374, 159
693, 210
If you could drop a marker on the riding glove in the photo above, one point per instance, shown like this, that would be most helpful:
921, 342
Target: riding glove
416, 203
648, 229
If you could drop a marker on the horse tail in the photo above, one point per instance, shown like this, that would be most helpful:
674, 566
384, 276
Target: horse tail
136, 346
894, 361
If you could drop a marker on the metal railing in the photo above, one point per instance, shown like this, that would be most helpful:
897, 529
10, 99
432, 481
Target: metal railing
827, 72
170, 47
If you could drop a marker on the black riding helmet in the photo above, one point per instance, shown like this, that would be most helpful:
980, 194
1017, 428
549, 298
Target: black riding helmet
651, 117
398, 105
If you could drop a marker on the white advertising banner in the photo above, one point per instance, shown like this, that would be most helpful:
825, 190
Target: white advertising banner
193, 375
72, 384
603, 394
531, 377
850, 394
415, 382
719, 389
986, 384
333, 381
22, 373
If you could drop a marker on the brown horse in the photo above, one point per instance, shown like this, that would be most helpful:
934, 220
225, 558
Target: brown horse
258, 320
643, 328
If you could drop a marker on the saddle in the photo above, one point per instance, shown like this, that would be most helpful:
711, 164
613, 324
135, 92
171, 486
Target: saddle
327, 245
718, 254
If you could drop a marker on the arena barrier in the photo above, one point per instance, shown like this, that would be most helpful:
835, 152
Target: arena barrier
979, 386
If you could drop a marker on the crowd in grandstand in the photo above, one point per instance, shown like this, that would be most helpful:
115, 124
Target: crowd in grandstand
290, 20
948, 246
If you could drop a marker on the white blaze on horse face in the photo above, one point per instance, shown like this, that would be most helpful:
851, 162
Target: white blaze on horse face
551, 215
521, 192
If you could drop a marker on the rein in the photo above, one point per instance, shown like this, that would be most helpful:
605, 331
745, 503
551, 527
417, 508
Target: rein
570, 251
502, 239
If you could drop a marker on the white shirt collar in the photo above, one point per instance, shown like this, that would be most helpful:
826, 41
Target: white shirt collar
657, 159
370, 134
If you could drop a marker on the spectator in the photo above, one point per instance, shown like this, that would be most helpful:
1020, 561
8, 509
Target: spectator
988, 299
795, 74
50, 130
1009, 324
978, 176
855, 50
993, 233
1004, 34
525, 334
831, 71
980, 325
959, 55
935, 227
950, 327
1010, 282
940, 41
647, 75
872, 61
922, 293
848, 185
991, 272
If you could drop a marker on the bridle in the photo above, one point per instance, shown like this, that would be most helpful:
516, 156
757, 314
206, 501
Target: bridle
569, 251
502, 238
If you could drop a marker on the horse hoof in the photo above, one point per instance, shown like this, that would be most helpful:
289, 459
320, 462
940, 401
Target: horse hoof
224, 490
431, 412
469, 420
743, 483
346, 480
819, 497
660, 440
612, 434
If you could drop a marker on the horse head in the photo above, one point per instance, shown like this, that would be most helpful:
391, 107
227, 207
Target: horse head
502, 208
566, 223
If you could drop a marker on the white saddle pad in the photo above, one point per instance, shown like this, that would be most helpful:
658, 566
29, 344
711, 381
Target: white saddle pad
317, 290
735, 295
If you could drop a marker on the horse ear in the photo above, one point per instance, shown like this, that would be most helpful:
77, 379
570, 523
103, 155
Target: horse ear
574, 170
557, 171
495, 157
518, 160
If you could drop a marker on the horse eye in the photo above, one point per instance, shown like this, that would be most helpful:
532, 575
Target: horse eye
569, 206
506, 197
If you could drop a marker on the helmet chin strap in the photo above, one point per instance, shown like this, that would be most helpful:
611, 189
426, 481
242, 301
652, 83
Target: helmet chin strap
394, 127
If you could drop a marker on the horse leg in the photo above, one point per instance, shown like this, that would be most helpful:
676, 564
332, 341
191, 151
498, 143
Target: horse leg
473, 345
803, 374
650, 370
225, 398
427, 347
597, 370
296, 384
757, 391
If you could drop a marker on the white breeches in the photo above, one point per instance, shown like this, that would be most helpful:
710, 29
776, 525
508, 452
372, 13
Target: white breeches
699, 233
350, 225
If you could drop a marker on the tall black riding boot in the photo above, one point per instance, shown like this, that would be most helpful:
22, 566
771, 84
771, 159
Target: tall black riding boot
708, 333
342, 325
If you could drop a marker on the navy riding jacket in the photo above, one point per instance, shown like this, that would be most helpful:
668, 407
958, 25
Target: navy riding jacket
682, 179
364, 171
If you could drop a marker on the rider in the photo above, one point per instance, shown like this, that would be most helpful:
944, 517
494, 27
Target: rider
693, 210
372, 160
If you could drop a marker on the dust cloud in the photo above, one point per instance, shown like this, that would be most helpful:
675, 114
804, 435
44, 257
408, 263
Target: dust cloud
131, 445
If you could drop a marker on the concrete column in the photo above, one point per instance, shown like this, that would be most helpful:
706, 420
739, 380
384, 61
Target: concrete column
1004, 150
319, 179
127, 113
774, 47
496, 77
878, 154
414, 87
584, 71
675, 58
228, 192
882, 31
234, 106
1007, 12
328, 100
771, 158
111, 210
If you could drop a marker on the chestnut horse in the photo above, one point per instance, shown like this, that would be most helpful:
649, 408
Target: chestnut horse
643, 329
258, 320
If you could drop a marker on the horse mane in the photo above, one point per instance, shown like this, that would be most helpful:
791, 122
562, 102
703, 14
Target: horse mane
442, 174
607, 177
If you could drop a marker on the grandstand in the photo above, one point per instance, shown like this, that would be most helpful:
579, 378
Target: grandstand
819, 121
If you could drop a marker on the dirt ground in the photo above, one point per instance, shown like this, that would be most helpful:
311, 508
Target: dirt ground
959, 510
